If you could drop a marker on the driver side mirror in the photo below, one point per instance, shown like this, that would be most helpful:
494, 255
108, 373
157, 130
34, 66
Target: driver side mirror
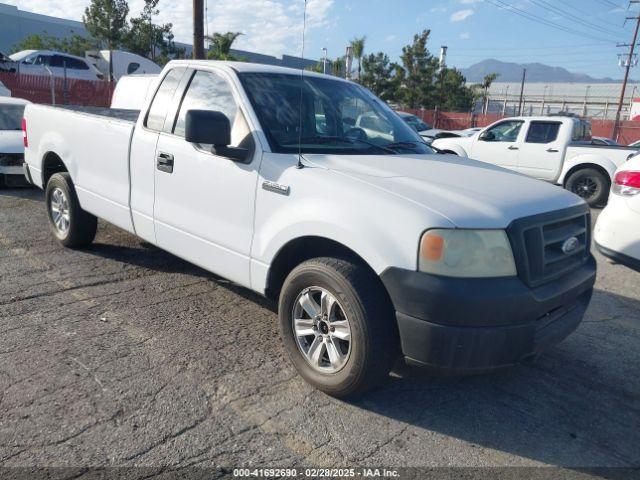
209, 127
487, 136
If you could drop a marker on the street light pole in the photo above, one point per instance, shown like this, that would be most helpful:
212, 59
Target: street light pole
324, 60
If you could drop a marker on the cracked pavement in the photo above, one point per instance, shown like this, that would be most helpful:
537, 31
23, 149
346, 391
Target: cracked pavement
124, 355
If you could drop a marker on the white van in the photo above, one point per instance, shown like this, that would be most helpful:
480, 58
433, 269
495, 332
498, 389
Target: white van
117, 64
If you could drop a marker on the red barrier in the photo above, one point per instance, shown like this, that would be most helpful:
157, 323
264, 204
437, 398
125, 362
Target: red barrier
628, 132
37, 89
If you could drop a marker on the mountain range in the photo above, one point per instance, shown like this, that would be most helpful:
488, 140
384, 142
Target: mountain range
536, 72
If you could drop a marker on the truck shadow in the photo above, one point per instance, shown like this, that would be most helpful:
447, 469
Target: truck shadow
578, 405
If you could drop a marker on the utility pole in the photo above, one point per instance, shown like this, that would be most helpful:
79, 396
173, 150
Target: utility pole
524, 76
442, 64
324, 60
198, 29
628, 64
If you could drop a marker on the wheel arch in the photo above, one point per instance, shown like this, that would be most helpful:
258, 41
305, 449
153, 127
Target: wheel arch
52, 163
304, 248
583, 166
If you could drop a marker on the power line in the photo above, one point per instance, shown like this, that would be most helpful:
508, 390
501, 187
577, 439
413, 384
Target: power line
535, 18
563, 47
570, 16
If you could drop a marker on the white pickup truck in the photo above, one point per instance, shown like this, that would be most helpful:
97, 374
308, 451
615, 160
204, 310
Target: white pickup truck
371, 244
553, 148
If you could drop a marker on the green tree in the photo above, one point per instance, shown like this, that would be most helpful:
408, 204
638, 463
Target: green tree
456, 95
357, 46
379, 76
417, 76
106, 21
318, 68
220, 46
148, 39
486, 84
75, 45
337, 67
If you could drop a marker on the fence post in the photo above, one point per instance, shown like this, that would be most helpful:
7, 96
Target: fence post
52, 85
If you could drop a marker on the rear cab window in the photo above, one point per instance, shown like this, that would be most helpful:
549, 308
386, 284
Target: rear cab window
162, 99
581, 131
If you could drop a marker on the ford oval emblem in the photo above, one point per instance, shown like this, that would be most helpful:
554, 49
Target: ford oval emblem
570, 245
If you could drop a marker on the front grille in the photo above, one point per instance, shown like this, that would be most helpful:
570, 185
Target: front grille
11, 159
537, 243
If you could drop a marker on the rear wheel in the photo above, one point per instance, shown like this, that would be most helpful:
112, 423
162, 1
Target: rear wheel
591, 185
338, 326
70, 224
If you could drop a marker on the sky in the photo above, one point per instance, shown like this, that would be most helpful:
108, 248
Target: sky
580, 35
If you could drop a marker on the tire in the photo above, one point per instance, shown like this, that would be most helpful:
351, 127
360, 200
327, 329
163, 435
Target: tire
360, 299
71, 225
591, 185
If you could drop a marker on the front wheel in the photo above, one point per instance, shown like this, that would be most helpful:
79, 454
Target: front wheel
338, 326
591, 185
70, 224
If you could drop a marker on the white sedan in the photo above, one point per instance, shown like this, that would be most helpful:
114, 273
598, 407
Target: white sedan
617, 232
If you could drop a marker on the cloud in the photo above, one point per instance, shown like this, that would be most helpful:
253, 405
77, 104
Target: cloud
469, 2
461, 15
269, 26
390, 38
465, 35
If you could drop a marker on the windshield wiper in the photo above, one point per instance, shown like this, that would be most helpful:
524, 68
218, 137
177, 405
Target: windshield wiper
329, 139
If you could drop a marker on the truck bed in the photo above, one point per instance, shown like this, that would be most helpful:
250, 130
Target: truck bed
116, 113
93, 143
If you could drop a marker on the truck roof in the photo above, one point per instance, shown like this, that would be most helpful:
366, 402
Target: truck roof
543, 118
252, 67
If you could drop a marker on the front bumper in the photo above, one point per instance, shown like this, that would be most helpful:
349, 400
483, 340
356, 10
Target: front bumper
476, 324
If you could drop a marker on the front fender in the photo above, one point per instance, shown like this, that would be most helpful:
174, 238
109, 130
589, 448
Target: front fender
586, 160
451, 145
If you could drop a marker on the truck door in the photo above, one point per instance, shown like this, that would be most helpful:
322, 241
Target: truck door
204, 202
142, 156
542, 151
499, 144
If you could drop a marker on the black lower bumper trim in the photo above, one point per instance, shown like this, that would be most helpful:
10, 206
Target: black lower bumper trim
484, 323
621, 258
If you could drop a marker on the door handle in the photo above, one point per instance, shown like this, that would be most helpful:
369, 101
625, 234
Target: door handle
552, 150
165, 162
513, 148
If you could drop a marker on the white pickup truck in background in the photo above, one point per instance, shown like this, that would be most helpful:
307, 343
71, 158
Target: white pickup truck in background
371, 244
556, 149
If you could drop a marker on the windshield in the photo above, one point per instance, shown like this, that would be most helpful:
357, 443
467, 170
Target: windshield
416, 123
319, 115
11, 117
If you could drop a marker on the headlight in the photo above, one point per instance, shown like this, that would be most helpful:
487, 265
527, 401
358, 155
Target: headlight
466, 253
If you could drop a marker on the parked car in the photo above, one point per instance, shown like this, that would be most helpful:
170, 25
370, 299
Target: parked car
604, 141
371, 245
424, 129
4, 91
556, 149
617, 231
6, 64
11, 142
116, 64
132, 91
40, 62
635, 144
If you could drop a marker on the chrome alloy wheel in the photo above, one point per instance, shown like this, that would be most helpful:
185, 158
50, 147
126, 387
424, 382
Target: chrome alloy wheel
60, 211
322, 330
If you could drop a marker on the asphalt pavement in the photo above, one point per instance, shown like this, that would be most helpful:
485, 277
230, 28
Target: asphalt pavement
123, 355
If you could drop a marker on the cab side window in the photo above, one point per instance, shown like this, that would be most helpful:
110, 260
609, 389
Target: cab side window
543, 132
503, 132
162, 100
207, 91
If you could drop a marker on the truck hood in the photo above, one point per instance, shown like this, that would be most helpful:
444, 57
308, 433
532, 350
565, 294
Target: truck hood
468, 193
11, 141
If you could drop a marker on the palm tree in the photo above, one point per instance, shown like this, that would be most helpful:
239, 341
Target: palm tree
486, 84
220, 46
357, 46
